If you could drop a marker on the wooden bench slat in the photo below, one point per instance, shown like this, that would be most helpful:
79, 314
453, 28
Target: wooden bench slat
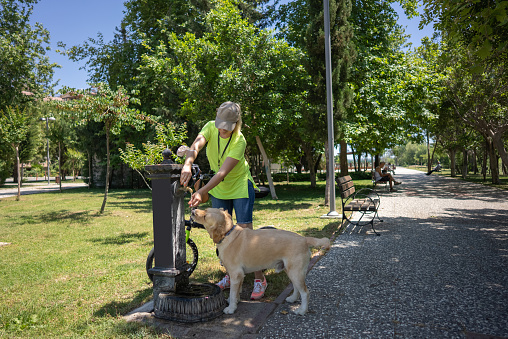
345, 194
343, 179
347, 185
347, 190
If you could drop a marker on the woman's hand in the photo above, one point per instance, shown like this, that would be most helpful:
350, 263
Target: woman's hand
198, 198
185, 175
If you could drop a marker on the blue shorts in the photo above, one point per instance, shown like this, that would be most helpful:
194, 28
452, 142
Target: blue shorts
243, 207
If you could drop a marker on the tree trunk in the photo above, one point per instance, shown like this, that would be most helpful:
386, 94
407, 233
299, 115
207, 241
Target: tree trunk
430, 159
107, 173
89, 170
343, 158
267, 168
494, 167
19, 172
354, 160
60, 164
497, 141
484, 164
475, 163
452, 163
307, 150
464, 164
375, 162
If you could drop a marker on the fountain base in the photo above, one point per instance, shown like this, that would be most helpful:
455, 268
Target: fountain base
192, 303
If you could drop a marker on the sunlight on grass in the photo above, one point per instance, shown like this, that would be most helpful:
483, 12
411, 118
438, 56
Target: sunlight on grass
471, 177
70, 271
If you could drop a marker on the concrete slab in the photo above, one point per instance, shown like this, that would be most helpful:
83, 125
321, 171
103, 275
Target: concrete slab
249, 316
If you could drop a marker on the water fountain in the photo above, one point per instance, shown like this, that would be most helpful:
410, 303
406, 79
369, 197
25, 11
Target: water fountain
175, 298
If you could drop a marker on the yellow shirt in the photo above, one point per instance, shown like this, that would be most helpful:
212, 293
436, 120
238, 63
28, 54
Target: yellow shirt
234, 185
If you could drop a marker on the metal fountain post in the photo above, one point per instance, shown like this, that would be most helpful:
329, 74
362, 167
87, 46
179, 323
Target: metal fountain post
168, 226
174, 298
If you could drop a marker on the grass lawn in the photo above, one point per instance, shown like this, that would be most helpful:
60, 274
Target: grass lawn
477, 178
70, 272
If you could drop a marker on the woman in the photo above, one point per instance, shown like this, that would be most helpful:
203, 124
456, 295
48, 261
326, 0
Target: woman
380, 176
232, 186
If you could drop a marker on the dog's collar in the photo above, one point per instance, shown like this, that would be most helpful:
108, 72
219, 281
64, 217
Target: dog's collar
229, 232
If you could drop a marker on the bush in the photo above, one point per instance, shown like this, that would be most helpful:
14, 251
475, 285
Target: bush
300, 177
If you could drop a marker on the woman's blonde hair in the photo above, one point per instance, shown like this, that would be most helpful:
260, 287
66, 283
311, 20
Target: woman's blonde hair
238, 127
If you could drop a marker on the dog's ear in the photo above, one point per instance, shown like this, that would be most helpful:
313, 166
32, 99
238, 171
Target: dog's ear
218, 231
228, 220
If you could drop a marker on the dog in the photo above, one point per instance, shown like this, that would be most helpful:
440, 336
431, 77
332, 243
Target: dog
243, 251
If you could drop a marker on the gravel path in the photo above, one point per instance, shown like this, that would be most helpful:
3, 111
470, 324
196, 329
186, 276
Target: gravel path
438, 270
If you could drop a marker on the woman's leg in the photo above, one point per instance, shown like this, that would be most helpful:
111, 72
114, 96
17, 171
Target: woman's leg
244, 210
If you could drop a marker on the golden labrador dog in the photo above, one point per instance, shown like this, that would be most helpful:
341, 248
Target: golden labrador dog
243, 251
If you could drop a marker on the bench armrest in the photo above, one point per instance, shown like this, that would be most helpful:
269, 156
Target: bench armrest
366, 193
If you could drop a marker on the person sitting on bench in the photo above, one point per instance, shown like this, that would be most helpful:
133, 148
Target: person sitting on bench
379, 176
436, 169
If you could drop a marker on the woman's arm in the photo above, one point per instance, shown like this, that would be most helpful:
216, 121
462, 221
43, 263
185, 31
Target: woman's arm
202, 194
191, 156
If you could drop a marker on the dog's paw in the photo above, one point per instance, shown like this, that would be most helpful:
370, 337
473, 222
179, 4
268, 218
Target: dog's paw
300, 311
230, 309
291, 299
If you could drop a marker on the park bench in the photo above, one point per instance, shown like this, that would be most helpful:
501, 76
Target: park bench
361, 201
386, 184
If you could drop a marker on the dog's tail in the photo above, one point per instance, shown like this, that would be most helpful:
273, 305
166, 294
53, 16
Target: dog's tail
315, 242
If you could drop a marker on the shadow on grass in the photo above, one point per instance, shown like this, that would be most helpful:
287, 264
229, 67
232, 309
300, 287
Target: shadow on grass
120, 308
121, 239
324, 232
135, 199
115, 308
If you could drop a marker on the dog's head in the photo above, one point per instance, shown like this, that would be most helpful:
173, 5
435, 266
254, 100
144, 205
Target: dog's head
216, 221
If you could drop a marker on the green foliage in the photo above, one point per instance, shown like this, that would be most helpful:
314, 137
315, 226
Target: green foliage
410, 154
74, 160
107, 106
24, 65
481, 25
14, 126
304, 177
233, 60
168, 136
102, 104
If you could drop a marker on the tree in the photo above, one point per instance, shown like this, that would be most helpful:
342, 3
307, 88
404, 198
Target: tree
475, 48
343, 54
23, 63
145, 25
74, 161
14, 126
63, 135
24, 69
233, 61
167, 135
479, 99
480, 25
108, 107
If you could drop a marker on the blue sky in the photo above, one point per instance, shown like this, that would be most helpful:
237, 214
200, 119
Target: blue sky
74, 21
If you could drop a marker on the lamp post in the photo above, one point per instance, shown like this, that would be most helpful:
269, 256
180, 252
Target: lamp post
329, 112
47, 119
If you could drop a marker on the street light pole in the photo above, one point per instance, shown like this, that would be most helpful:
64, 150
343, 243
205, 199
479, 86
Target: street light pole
329, 111
47, 142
